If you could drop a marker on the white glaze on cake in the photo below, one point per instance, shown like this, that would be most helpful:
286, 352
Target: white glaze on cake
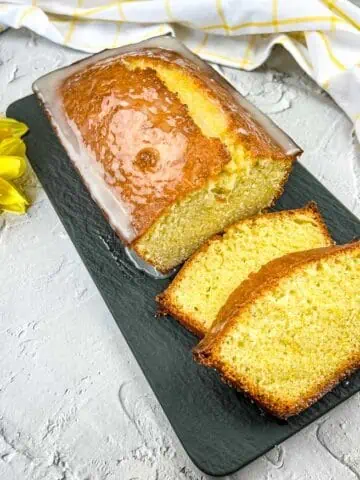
117, 211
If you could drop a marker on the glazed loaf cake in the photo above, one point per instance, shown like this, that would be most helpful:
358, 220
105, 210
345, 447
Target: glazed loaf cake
205, 282
170, 152
291, 331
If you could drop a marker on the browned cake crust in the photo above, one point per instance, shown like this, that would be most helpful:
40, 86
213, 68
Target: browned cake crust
167, 306
255, 287
249, 133
151, 150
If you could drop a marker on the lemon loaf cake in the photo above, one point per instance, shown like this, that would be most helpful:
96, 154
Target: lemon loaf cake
205, 282
168, 149
291, 331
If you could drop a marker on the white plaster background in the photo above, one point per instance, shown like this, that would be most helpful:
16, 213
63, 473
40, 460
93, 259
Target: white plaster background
74, 404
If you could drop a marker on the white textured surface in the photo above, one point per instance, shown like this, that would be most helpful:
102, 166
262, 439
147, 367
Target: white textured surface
74, 405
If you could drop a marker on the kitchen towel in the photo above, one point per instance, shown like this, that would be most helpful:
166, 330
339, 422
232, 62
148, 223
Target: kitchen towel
322, 35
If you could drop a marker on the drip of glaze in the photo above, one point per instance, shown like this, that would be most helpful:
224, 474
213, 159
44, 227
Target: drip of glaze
141, 265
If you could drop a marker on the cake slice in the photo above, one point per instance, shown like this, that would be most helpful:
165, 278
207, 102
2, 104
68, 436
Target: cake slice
168, 149
205, 282
291, 332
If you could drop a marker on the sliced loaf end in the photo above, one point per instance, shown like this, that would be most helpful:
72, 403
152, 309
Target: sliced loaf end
204, 284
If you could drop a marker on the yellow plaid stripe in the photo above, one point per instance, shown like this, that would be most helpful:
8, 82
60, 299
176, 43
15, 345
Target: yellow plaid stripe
336, 9
239, 62
168, 11
251, 45
220, 12
329, 51
118, 26
275, 19
88, 12
339, 17
153, 33
72, 26
28, 11
275, 22
56, 18
333, 26
116, 37
285, 21
121, 11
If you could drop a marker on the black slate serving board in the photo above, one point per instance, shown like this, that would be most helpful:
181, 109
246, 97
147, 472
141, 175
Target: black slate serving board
220, 430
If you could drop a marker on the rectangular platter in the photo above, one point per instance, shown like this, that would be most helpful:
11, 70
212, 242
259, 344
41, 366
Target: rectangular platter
220, 429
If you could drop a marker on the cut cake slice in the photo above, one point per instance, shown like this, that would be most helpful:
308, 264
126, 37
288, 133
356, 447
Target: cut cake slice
291, 332
204, 284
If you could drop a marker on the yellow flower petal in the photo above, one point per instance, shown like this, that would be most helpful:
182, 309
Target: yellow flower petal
19, 208
11, 199
11, 166
11, 128
12, 146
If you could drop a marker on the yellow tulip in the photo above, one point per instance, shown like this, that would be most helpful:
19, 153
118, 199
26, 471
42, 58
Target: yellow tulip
12, 164
11, 198
11, 128
19, 208
12, 146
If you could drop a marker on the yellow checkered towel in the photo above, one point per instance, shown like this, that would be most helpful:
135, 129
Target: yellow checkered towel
322, 35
